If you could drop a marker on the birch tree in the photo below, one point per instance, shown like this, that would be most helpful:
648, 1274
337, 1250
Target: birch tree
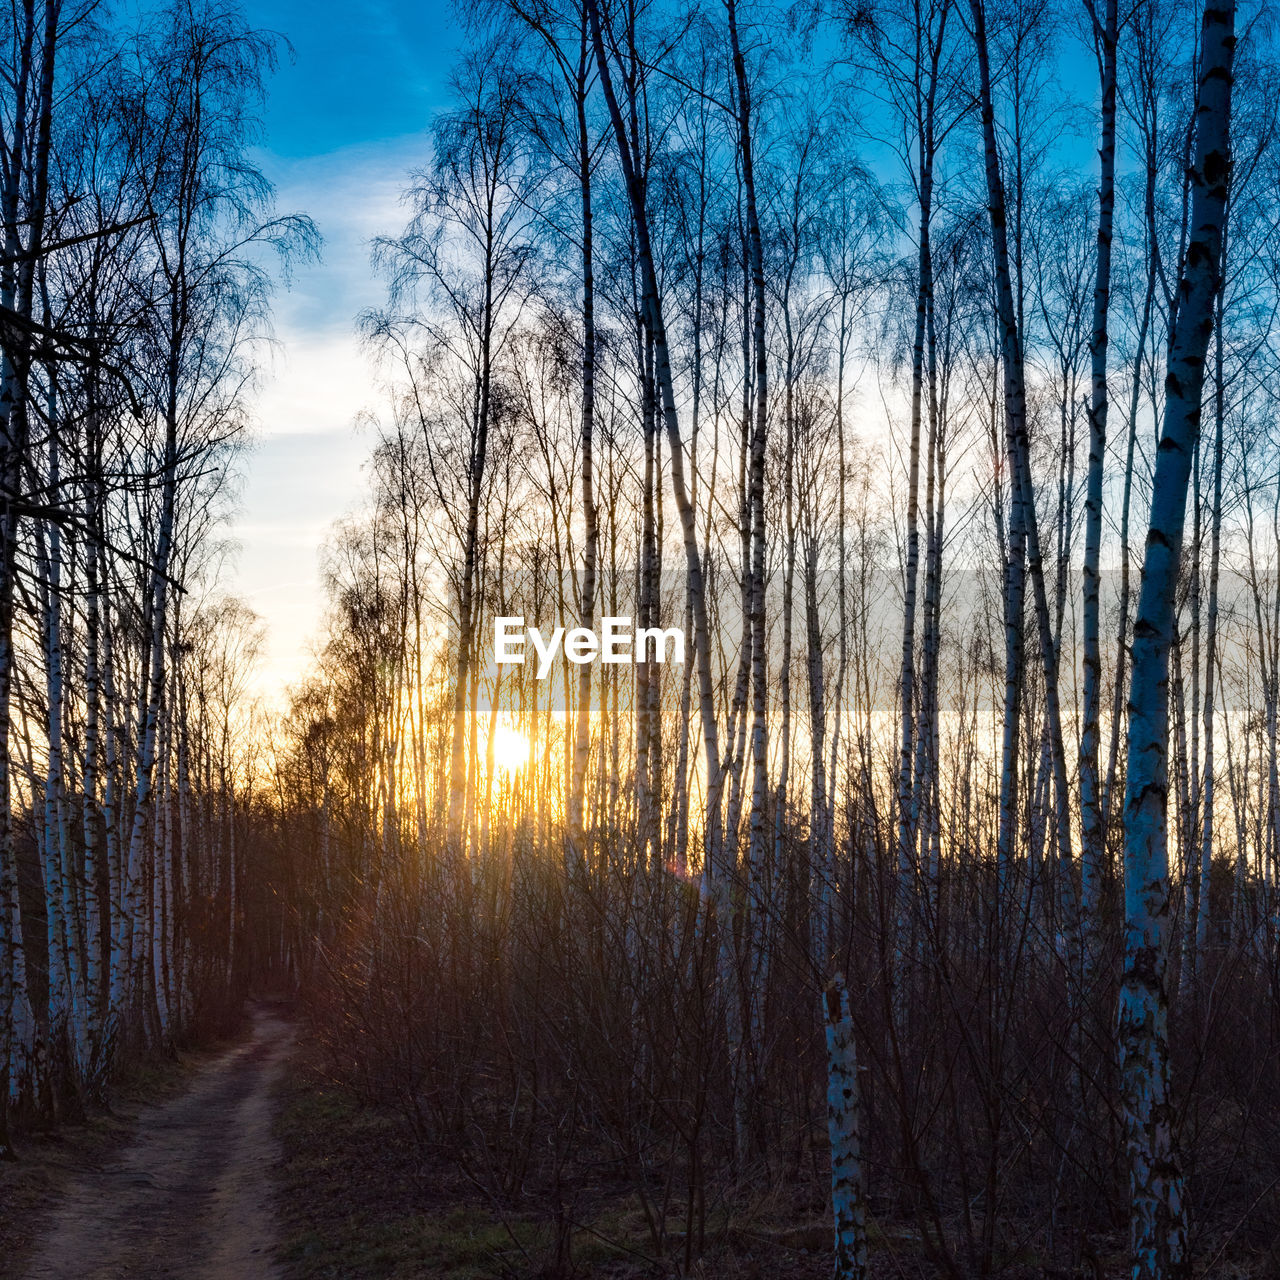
1158, 1241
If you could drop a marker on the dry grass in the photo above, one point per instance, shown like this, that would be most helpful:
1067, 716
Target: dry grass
360, 1198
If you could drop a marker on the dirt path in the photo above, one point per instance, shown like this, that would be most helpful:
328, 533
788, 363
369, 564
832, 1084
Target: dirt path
190, 1197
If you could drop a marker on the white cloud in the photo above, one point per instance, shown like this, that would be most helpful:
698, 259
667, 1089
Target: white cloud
353, 195
317, 383
306, 469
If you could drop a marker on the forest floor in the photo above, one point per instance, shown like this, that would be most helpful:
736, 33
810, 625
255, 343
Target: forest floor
251, 1161
178, 1188
361, 1197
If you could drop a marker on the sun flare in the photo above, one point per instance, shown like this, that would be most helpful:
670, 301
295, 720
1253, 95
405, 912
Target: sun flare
510, 749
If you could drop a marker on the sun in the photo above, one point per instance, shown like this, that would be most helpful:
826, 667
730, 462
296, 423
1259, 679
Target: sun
510, 749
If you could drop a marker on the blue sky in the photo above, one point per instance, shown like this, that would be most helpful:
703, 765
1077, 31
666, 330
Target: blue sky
364, 72
346, 120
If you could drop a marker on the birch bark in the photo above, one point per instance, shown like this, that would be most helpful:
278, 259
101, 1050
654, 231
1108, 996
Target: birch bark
1105, 39
1158, 1242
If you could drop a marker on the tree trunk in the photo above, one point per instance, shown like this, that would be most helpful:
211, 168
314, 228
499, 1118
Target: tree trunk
1158, 1214
1105, 37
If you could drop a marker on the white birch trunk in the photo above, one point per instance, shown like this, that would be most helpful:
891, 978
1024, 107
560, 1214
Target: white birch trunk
844, 1131
1105, 38
1158, 1225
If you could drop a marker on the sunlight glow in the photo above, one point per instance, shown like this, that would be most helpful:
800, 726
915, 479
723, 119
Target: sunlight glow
510, 749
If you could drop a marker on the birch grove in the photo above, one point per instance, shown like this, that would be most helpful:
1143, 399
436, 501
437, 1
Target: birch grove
134, 288
859, 352
900, 381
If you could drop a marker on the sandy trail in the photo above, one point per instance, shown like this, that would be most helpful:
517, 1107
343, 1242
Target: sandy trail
190, 1197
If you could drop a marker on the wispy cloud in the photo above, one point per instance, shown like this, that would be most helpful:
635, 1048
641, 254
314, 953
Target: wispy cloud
306, 469
353, 195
